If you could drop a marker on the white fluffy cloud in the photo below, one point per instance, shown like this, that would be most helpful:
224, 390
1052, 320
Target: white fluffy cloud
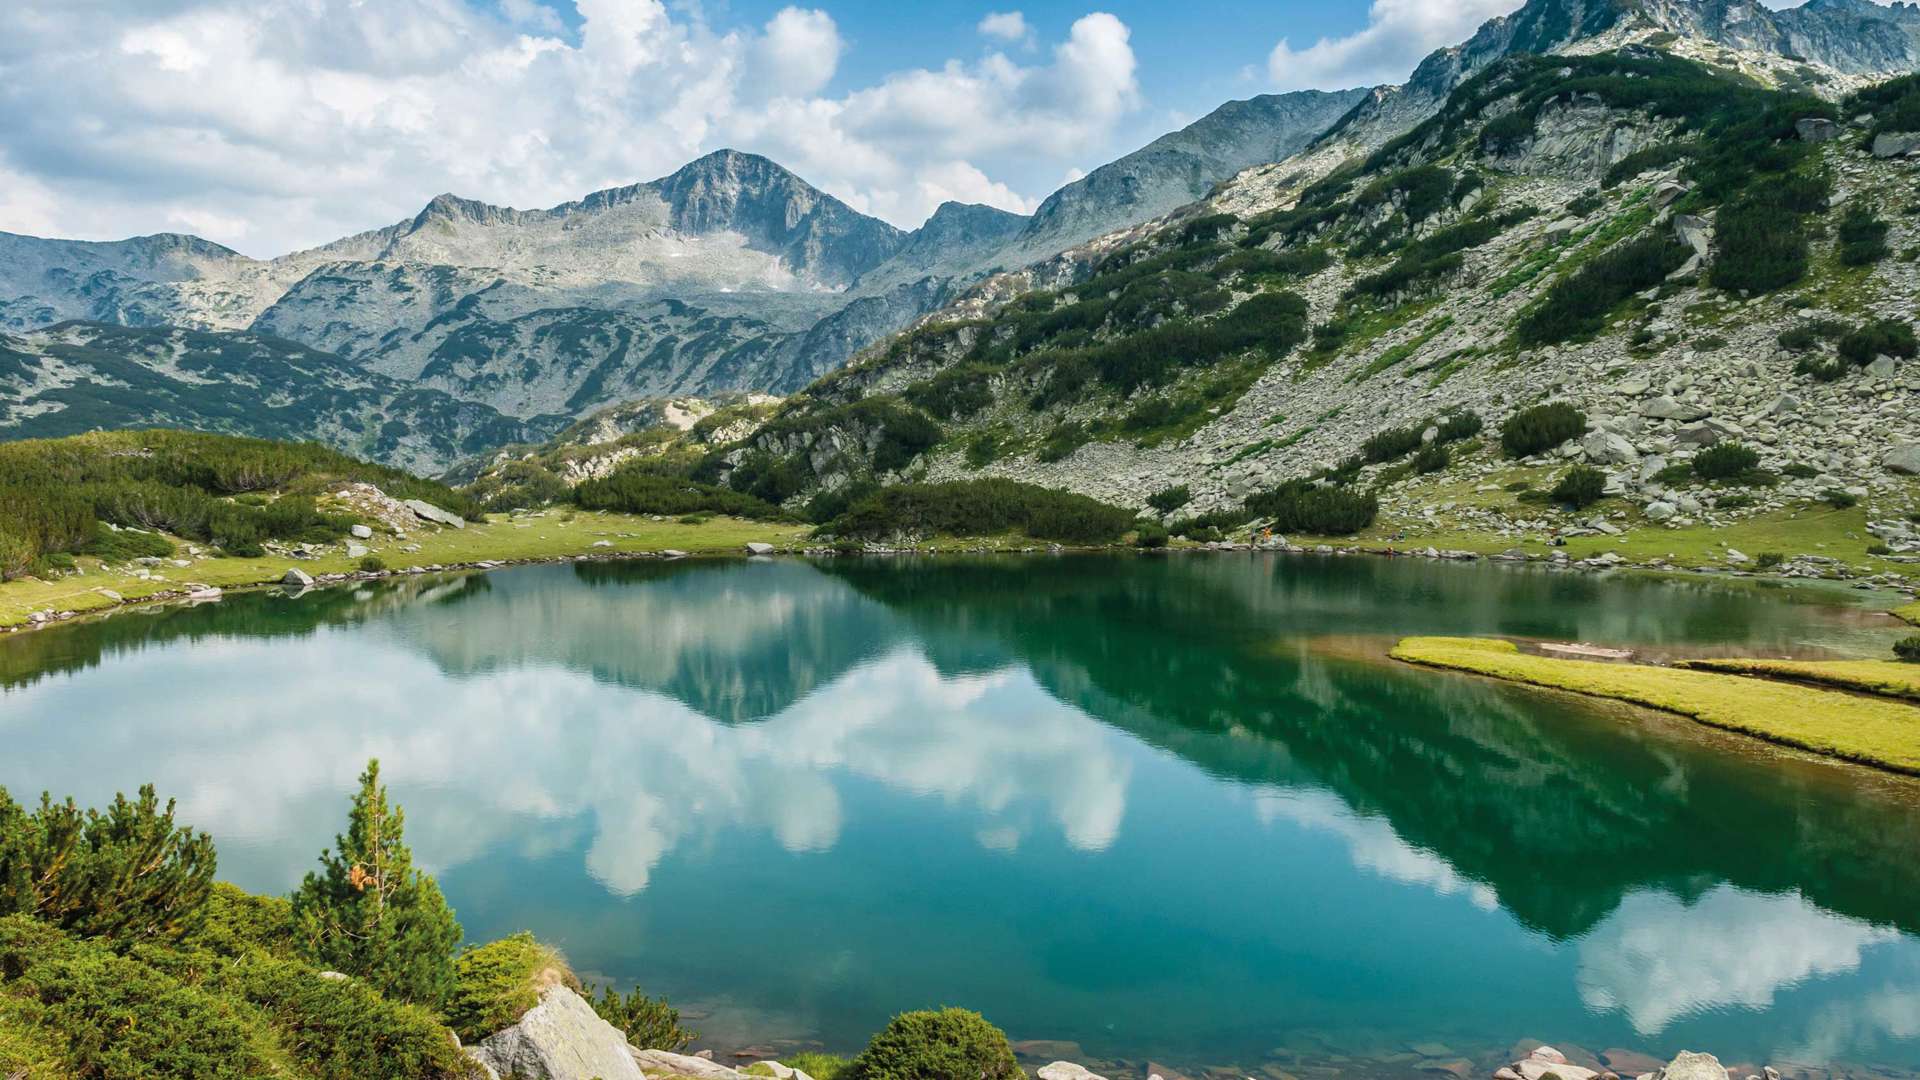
1009, 26
274, 124
1398, 35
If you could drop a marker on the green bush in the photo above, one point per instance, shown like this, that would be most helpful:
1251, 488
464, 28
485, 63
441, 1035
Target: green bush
648, 1023
1578, 305
372, 564
518, 485
1302, 507
1882, 337
1807, 335
496, 983
369, 913
1461, 425
1840, 499
1169, 499
1062, 441
341, 1029
1432, 459
1151, 536
983, 450
1580, 487
129, 874
1767, 560
986, 507
120, 1019
950, 1044
1908, 648
827, 505
1759, 242
1540, 428
1725, 461
1390, 445
959, 391
643, 488
57, 492
1863, 236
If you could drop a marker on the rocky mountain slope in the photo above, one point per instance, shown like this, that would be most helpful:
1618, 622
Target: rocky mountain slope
77, 377
732, 273
1711, 278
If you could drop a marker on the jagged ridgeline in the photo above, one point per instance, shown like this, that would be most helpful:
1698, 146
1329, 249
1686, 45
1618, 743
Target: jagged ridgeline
119, 496
1551, 202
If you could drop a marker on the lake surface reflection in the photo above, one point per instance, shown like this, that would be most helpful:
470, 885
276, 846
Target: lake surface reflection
1167, 808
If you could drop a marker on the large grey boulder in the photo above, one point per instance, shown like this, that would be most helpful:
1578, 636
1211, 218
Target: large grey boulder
662, 1063
1066, 1070
1665, 407
1694, 232
1691, 1066
426, 511
360, 532
759, 548
1606, 448
296, 578
561, 1038
1896, 144
1815, 129
1904, 459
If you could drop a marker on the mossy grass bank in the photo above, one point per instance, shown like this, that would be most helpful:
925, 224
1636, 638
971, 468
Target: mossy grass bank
1869, 730
1884, 678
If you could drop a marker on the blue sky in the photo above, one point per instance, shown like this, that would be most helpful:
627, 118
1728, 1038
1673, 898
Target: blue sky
270, 125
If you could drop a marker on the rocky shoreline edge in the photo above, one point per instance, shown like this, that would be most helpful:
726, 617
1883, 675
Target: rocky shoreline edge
562, 1038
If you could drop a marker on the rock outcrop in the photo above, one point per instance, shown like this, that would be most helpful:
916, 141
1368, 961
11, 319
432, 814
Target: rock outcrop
561, 1038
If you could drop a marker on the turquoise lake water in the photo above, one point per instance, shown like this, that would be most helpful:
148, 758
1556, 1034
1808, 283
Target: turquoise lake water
1168, 809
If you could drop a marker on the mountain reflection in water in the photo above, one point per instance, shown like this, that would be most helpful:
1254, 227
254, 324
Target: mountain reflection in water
1161, 807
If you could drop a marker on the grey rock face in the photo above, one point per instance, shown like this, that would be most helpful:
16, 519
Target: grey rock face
426, 511
1904, 459
1182, 166
1688, 1065
1816, 129
240, 383
662, 1063
1894, 144
296, 578
561, 1038
1606, 448
1665, 407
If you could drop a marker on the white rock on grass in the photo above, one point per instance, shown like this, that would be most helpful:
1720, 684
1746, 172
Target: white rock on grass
561, 1038
759, 548
360, 532
296, 578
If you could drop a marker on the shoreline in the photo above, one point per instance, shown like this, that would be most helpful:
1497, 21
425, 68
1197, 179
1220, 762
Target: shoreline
1907, 613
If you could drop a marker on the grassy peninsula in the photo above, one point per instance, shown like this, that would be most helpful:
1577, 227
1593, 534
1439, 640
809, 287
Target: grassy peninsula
1871, 730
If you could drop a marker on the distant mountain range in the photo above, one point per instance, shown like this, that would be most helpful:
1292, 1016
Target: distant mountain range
730, 274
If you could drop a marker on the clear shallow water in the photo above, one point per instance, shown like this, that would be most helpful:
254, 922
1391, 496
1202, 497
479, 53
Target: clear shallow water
1165, 808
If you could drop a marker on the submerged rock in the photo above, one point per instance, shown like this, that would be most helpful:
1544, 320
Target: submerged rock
561, 1038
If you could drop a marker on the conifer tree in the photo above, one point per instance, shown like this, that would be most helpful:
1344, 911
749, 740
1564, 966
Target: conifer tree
369, 913
129, 874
